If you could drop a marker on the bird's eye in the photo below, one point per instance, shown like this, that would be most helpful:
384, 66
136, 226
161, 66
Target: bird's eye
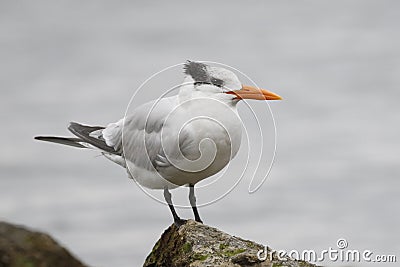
200, 83
217, 82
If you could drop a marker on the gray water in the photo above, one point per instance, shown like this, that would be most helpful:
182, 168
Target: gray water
336, 174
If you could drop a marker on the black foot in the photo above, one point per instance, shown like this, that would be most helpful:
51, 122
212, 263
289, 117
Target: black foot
198, 220
179, 222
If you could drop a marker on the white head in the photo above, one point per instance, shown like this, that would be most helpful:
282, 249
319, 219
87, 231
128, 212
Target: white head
222, 83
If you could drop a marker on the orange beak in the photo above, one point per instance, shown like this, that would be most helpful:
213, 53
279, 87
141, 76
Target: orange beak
250, 92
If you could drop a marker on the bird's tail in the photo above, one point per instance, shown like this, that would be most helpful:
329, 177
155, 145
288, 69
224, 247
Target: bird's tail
86, 137
69, 141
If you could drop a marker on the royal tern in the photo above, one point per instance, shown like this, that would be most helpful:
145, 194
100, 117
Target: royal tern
178, 140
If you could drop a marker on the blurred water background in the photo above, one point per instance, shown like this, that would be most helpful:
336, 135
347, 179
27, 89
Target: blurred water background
336, 63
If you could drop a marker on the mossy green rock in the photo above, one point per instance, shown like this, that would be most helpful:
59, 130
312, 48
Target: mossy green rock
197, 245
20, 247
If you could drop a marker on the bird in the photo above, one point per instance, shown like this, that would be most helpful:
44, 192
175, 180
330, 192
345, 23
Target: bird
177, 140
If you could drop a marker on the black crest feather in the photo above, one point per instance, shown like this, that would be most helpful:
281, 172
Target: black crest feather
197, 70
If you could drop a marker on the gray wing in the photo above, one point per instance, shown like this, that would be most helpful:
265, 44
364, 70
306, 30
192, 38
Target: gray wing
143, 136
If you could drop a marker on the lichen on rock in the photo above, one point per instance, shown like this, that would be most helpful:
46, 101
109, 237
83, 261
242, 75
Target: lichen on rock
197, 245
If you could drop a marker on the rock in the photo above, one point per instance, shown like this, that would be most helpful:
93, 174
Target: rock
198, 245
20, 247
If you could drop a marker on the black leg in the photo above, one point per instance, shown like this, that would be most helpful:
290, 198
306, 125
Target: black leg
192, 199
167, 195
